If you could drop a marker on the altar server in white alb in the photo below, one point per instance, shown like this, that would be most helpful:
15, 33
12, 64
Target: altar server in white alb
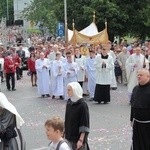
135, 62
91, 72
80, 60
42, 66
104, 65
70, 71
113, 78
57, 71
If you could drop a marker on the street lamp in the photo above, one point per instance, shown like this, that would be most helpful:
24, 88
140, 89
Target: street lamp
7, 10
66, 28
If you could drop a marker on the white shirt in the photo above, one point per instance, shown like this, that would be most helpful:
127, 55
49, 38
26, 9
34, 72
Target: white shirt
63, 146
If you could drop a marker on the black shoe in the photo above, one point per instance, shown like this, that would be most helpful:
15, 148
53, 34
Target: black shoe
42, 96
84, 95
35, 84
13, 89
61, 97
105, 102
114, 88
8, 89
53, 97
47, 95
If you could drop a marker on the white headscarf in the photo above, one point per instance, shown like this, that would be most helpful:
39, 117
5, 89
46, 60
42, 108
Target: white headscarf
77, 91
4, 103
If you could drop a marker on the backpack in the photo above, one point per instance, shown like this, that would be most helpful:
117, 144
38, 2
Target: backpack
61, 142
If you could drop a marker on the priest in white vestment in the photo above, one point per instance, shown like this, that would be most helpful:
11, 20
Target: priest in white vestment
122, 57
135, 62
42, 66
112, 54
70, 72
104, 65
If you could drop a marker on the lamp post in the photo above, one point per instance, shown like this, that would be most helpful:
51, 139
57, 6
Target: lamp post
7, 10
65, 19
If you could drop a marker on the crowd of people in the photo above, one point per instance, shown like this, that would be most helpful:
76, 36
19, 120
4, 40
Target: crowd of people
64, 72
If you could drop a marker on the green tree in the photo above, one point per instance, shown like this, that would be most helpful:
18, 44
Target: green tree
41, 12
138, 17
3, 9
123, 17
82, 12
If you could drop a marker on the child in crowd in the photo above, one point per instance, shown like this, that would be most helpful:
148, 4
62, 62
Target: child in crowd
54, 131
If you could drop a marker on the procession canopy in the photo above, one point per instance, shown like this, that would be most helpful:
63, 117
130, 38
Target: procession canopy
89, 35
100, 38
88, 31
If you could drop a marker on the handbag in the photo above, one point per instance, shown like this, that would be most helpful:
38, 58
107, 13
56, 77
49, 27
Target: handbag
8, 134
29, 73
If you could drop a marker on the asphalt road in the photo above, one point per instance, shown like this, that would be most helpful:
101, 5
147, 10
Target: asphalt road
109, 123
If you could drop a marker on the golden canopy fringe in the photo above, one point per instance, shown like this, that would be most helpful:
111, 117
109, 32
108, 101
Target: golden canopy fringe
100, 38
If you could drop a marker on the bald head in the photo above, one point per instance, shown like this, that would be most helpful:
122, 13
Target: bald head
143, 76
42, 55
138, 50
144, 71
124, 49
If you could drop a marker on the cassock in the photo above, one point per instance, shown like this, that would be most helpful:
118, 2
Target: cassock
103, 80
57, 72
140, 117
131, 70
43, 78
77, 121
8, 120
91, 71
70, 75
10, 124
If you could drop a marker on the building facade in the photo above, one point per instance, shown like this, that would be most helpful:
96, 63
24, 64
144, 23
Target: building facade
19, 6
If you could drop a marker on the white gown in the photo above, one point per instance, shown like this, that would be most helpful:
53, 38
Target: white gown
43, 78
80, 73
58, 86
90, 69
113, 78
69, 78
103, 75
132, 71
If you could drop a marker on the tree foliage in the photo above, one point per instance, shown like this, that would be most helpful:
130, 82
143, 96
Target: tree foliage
124, 17
3, 9
41, 12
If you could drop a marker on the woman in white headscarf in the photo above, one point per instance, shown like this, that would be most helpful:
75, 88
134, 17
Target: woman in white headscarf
76, 118
10, 122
